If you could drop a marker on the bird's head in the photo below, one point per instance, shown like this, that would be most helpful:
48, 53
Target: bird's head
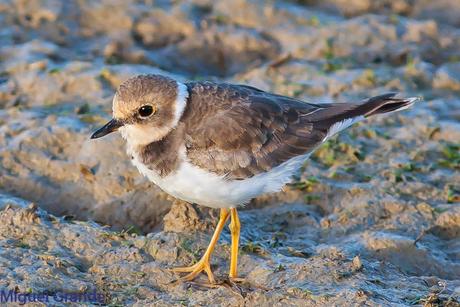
146, 108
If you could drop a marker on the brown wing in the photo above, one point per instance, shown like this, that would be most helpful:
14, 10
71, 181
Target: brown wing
240, 131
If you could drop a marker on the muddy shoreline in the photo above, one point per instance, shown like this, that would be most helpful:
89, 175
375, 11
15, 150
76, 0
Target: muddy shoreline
372, 219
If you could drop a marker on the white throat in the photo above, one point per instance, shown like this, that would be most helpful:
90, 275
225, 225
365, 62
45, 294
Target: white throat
140, 136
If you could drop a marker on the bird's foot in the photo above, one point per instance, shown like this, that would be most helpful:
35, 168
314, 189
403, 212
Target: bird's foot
236, 280
195, 270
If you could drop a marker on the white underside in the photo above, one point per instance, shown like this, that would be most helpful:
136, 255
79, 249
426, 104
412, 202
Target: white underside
196, 185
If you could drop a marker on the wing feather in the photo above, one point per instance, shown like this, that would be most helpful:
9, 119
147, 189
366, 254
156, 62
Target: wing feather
239, 131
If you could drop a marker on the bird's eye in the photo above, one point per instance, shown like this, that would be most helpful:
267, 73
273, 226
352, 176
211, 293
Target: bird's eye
145, 111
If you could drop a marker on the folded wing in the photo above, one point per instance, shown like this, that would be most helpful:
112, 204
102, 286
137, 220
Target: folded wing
240, 131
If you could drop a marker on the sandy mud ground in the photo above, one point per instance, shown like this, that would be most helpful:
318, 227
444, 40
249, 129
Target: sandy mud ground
372, 219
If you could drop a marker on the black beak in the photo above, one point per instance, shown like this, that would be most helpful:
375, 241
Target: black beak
110, 127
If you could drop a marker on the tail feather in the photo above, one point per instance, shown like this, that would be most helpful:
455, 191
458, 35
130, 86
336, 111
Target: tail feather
333, 118
387, 103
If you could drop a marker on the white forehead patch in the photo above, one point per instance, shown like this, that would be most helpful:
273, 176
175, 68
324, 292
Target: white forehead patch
113, 104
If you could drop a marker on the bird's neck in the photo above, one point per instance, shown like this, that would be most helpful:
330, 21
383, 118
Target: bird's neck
161, 156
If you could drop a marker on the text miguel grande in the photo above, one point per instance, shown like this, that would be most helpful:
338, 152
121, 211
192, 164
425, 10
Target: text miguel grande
11, 296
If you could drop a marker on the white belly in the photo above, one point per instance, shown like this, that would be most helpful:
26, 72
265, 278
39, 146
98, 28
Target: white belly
195, 185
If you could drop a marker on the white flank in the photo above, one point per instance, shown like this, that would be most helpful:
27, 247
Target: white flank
342, 125
194, 184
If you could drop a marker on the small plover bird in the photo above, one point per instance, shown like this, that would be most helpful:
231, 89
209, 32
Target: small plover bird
220, 145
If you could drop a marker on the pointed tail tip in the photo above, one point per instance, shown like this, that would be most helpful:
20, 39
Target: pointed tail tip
391, 103
409, 102
412, 100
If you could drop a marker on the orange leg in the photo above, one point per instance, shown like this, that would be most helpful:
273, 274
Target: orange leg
235, 227
204, 263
